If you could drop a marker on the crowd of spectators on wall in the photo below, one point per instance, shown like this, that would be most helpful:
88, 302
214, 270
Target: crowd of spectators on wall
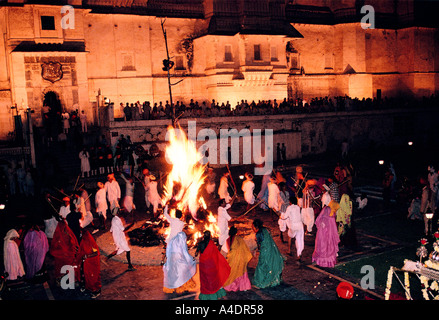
195, 109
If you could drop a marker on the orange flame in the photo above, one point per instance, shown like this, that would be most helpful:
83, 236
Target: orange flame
187, 172
185, 180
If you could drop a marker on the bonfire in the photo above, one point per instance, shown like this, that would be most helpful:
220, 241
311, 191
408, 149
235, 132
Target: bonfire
182, 191
184, 183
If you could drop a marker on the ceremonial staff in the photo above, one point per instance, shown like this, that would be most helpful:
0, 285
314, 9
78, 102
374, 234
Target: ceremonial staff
231, 178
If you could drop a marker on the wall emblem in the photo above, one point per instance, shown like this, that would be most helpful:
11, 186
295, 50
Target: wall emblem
51, 71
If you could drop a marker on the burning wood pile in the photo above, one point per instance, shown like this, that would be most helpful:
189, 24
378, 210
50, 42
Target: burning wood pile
182, 191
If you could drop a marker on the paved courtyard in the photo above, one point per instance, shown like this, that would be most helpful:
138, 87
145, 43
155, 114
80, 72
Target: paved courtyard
385, 237
303, 282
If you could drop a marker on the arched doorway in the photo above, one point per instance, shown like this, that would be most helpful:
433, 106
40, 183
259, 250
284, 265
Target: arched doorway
52, 111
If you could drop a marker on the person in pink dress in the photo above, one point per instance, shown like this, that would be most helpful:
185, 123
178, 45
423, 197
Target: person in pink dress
327, 239
36, 246
11, 256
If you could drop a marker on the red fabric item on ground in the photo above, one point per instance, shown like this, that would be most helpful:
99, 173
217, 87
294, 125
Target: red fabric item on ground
214, 270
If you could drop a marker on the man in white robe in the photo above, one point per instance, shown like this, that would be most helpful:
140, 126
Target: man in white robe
84, 156
248, 187
120, 240
210, 181
83, 119
307, 210
294, 223
113, 193
175, 224
223, 223
128, 200
101, 204
274, 200
65, 209
222, 189
86, 216
11, 256
66, 122
146, 182
153, 194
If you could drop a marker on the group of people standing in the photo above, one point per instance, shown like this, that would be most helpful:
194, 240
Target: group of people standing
103, 159
222, 265
301, 204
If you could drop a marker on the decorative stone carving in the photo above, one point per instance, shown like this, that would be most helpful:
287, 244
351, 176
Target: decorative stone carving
51, 71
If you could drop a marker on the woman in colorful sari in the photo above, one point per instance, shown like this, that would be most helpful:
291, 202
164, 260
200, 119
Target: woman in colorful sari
63, 247
36, 246
88, 258
214, 269
268, 272
238, 257
263, 193
346, 229
327, 239
334, 207
343, 217
180, 266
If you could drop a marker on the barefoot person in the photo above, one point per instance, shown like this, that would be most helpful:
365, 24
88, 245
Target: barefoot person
120, 240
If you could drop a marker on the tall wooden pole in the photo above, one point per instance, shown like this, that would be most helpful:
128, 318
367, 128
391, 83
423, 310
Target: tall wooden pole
169, 74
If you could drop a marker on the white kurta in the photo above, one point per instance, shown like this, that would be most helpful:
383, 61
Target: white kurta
223, 224
50, 227
85, 163
146, 182
222, 189
64, 211
153, 196
86, 216
274, 196
176, 225
326, 199
294, 223
11, 256
248, 188
113, 193
128, 200
120, 240
65, 120
293, 219
101, 202
308, 216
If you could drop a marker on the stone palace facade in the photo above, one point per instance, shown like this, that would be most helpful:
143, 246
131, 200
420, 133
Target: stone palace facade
226, 50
